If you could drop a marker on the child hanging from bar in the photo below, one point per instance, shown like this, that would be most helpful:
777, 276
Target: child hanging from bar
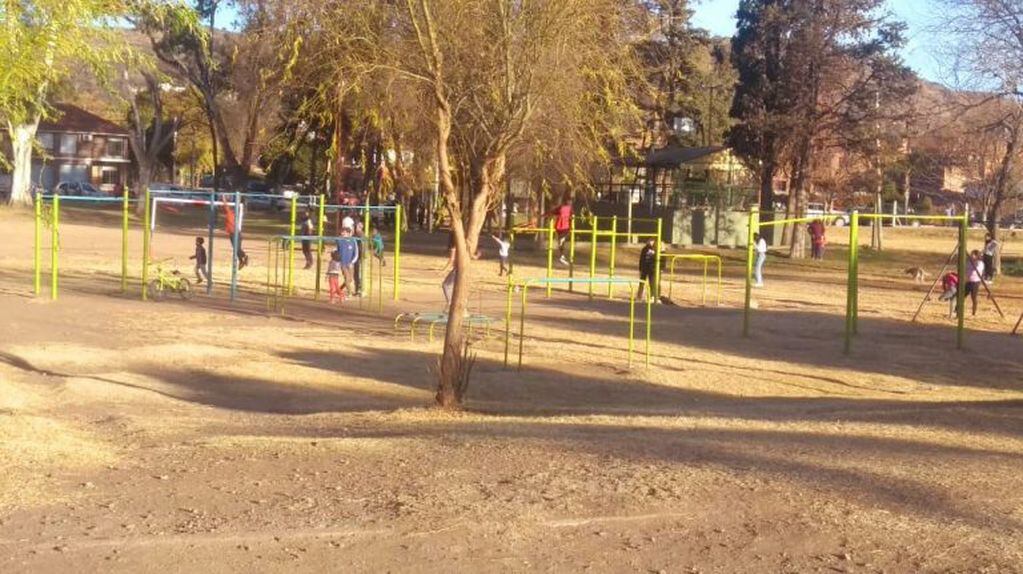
334, 294
503, 254
200, 261
378, 247
229, 226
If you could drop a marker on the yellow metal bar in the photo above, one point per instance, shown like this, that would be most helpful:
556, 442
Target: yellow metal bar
593, 252
703, 300
146, 239
320, 222
291, 251
38, 247
522, 322
124, 241
507, 321
648, 324
550, 253
397, 249
657, 261
632, 320
571, 254
956, 218
754, 224
611, 263
54, 246
961, 292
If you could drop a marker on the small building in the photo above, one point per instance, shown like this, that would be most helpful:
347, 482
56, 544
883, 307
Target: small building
79, 146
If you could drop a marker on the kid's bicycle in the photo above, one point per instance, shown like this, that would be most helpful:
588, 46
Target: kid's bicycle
169, 282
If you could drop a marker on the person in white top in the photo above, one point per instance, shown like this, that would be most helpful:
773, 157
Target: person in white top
990, 250
503, 253
760, 247
974, 277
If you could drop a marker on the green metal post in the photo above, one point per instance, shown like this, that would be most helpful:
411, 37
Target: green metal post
850, 283
754, 226
291, 252
38, 247
124, 242
961, 291
397, 249
593, 252
320, 221
146, 238
237, 243
211, 236
54, 246
611, 263
657, 262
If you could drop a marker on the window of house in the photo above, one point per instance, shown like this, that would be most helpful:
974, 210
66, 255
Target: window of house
68, 144
115, 147
110, 176
45, 141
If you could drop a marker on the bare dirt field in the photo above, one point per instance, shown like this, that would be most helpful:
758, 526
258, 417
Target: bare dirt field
206, 436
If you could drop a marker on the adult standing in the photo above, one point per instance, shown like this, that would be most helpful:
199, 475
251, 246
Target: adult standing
760, 248
990, 251
307, 229
229, 227
648, 267
817, 240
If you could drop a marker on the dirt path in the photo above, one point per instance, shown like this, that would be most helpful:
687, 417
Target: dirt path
204, 436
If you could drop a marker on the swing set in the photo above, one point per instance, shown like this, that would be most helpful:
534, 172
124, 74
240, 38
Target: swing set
852, 281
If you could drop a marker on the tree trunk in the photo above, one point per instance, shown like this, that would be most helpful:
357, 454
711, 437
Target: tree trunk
22, 137
1012, 149
798, 196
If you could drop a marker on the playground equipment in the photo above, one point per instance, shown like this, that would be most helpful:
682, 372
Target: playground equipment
595, 233
852, 282
323, 209
937, 279
54, 223
706, 260
280, 268
153, 199
471, 322
524, 286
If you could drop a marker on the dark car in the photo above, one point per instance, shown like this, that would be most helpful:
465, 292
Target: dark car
77, 188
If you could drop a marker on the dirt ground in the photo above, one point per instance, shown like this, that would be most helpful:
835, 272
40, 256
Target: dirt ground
206, 436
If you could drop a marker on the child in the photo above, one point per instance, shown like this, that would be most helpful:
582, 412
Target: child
503, 252
760, 248
974, 277
949, 288
348, 254
333, 278
308, 229
378, 247
200, 261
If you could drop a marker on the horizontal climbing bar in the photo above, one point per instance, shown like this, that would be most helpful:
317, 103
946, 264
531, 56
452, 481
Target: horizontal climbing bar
913, 217
798, 220
63, 198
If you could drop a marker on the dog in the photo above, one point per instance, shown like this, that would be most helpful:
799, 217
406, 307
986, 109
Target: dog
917, 273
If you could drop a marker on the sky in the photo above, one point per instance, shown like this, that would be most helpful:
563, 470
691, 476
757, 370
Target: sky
718, 16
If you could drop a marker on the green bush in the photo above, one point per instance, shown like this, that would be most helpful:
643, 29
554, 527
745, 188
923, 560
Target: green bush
925, 206
1012, 267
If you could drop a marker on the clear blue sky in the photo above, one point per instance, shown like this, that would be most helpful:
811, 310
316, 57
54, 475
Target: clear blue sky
920, 53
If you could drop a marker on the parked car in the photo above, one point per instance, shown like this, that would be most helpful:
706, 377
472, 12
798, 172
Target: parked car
77, 188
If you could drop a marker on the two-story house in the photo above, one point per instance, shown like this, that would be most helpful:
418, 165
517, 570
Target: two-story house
79, 146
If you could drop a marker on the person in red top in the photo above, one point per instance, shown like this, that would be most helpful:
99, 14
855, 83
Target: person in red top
229, 223
949, 290
562, 226
817, 241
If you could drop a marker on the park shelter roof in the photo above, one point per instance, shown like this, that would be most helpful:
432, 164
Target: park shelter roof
72, 119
